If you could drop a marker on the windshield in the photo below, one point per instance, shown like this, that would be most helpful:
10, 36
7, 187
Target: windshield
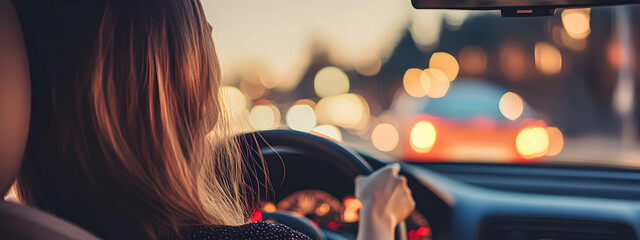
436, 85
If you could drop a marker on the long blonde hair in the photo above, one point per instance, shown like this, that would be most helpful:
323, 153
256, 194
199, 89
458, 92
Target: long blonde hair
131, 139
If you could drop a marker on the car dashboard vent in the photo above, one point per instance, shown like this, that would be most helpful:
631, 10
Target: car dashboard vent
511, 228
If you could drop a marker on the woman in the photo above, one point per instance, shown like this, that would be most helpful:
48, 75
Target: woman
128, 138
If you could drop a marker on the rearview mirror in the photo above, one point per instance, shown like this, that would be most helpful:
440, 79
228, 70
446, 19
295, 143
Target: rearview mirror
516, 8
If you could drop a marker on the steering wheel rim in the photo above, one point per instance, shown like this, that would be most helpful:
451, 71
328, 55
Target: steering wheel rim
308, 144
347, 160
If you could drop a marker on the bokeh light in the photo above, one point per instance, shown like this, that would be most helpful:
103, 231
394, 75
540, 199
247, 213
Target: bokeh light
423, 136
323, 209
548, 58
331, 81
421, 20
252, 90
385, 137
513, 61
306, 102
532, 142
511, 106
416, 82
446, 63
369, 68
351, 209
269, 81
455, 19
561, 37
349, 111
438, 83
614, 53
556, 141
301, 117
328, 131
576, 22
264, 117
269, 207
473, 60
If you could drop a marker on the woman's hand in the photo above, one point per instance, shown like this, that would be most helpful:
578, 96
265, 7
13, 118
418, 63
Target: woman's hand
386, 201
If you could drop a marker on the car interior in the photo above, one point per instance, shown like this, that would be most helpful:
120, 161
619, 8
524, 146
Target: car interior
312, 175
17, 221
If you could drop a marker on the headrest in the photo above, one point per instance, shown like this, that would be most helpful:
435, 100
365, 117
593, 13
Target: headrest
15, 95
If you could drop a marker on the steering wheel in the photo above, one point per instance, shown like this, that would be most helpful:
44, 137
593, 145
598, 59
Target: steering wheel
350, 163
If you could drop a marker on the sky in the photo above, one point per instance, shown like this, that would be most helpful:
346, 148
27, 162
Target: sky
277, 38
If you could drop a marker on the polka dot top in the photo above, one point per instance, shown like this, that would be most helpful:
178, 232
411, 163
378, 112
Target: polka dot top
251, 231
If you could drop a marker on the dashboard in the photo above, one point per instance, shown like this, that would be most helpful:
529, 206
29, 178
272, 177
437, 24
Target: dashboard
500, 201
465, 201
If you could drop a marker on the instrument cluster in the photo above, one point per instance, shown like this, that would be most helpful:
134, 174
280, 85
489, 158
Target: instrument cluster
330, 213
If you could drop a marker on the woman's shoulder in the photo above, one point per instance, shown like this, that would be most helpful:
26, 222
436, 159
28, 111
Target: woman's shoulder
250, 231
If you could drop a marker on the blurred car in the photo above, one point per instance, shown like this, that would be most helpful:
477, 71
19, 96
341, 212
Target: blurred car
471, 123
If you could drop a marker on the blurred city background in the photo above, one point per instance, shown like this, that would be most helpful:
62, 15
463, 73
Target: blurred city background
436, 85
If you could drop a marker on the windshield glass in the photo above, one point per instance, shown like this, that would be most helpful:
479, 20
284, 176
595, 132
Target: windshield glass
436, 85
